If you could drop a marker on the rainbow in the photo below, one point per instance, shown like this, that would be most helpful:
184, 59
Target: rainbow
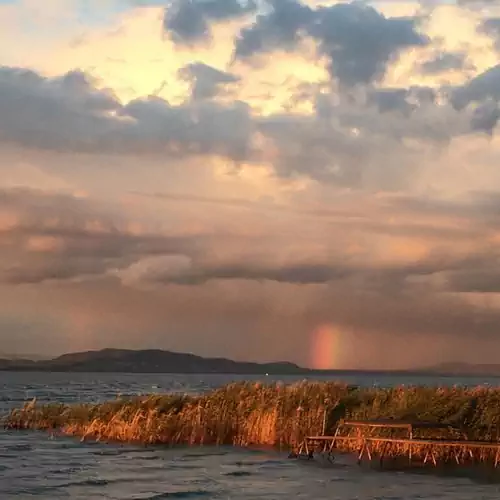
324, 352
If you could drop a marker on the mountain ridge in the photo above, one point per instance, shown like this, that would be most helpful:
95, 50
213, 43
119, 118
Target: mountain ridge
147, 361
165, 361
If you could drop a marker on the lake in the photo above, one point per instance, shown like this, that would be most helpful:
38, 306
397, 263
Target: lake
33, 464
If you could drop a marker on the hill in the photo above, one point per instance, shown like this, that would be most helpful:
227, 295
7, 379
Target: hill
160, 361
147, 361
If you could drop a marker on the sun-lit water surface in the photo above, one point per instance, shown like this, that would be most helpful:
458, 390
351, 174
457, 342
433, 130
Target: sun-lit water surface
33, 464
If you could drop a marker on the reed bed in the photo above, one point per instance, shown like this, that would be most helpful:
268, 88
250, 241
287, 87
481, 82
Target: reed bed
246, 414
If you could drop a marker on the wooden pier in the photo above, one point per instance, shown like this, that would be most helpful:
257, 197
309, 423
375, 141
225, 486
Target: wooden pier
418, 443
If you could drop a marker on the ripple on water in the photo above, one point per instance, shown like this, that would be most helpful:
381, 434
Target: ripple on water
238, 473
178, 494
19, 447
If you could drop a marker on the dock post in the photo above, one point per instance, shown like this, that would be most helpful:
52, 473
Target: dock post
409, 447
381, 459
361, 451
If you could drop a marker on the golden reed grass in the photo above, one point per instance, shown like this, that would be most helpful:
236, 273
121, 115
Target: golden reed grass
247, 414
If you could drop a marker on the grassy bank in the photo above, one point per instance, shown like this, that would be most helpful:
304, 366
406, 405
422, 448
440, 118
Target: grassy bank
255, 414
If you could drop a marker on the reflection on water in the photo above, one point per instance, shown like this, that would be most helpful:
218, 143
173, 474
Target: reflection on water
36, 465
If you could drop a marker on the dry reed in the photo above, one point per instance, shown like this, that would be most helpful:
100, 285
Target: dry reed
246, 414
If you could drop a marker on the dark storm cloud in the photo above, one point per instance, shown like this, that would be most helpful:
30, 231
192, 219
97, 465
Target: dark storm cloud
485, 117
483, 86
71, 114
358, 40
481, 208
52, 113
422, 95
356, 219
445, 61
50, 271
294, 274
206, 80
317, 148
474, 3
407, 313
188, 21
491, 27
400, 297
390, 100
482, 280
278, 29
85, 241
189, 129
344, 142
404, 100
76, 238
383, 278
473, 220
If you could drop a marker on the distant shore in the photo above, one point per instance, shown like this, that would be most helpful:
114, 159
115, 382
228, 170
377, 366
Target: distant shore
160, 361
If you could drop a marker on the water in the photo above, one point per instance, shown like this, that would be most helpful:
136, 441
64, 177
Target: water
34, 465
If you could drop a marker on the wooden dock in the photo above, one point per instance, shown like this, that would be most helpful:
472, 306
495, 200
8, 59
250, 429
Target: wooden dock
418, 443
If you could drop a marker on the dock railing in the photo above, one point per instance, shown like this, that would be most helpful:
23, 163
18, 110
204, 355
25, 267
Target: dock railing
417, 441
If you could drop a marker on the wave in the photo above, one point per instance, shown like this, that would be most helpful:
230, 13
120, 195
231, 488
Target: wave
238, 473
179, 494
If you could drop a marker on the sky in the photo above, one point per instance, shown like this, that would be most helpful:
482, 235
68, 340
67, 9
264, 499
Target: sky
310, 181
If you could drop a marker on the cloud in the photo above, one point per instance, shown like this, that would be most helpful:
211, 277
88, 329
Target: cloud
154, 269
190, 129
59, 237
70, 113
182, 271
483, 86
278, 29
340, 270
390, 100
481, 280
345, 140
445, 61
59, 113
486, 117
341, 142
188, 21
358, 40
473, 4
48, 236
392, 256
206, 80
491, 27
